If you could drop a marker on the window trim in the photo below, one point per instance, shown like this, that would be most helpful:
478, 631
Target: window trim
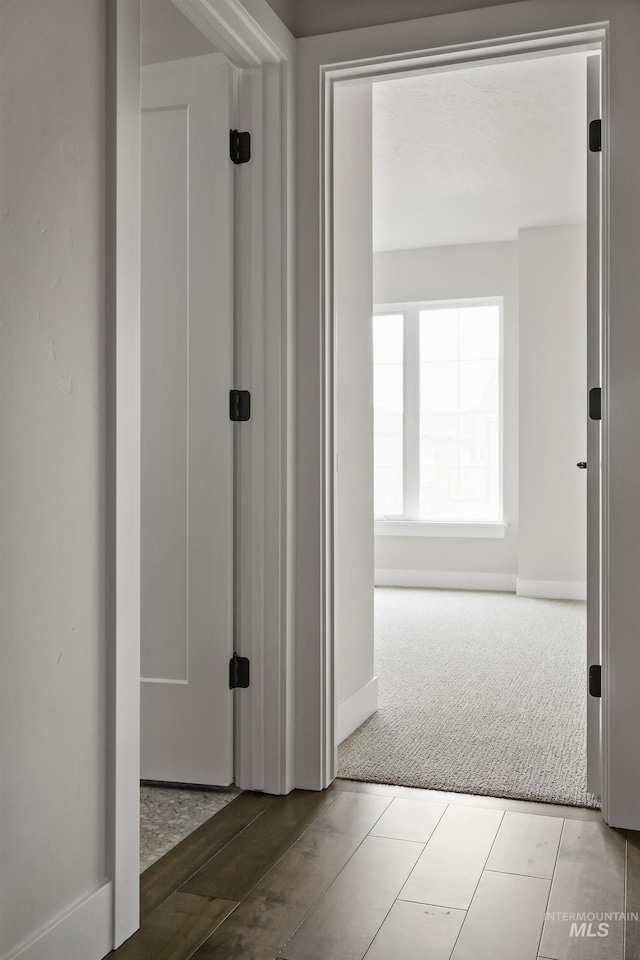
410, 523
489, 530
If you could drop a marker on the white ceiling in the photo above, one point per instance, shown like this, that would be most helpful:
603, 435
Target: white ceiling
470, 156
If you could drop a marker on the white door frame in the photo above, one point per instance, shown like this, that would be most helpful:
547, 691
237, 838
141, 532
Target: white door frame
586, 40
596, 254
433, 44
259, 45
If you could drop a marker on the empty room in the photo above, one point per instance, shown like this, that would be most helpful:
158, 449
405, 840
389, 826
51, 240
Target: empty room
461, 432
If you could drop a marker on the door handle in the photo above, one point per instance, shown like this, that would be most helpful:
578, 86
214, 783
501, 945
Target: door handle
582, 465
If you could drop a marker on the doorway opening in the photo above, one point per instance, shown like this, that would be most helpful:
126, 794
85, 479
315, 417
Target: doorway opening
467, 336
187, 441
258, 98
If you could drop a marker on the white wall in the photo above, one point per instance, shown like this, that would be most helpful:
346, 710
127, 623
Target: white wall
353, 597
53, 651
166, 34
449, 273
542, 278
553, 404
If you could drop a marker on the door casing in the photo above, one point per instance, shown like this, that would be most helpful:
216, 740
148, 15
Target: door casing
256, 42
363, 57
348, 305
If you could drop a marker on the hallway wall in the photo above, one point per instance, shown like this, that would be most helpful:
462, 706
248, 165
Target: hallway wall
53, 647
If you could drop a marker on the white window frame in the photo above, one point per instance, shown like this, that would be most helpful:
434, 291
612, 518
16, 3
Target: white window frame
409, 523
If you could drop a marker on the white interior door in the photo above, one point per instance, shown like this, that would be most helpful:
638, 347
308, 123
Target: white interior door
594, 440
187, 457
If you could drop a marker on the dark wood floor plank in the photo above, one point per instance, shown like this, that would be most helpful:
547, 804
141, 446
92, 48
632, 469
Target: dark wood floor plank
589, 878
165, 876
448, 871
526, 844
347, 917
467, 799
238, 868
175, 929
633, 894
275, 908
414, 931
505, 919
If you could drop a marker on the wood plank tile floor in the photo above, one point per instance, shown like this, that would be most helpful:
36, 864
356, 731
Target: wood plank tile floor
373, 872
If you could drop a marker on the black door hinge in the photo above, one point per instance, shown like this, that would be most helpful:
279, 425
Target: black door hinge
239, 672
595, 680
595, 403
595, 136
239, 405
240, 146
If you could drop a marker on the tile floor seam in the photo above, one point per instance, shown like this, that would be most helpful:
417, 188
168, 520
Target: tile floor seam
438, 906
383, 921
425, 842
441, 906
211, 932
510, 809
321, 895
212, 857
553, 875
140, 930
448, 906
283, 854
513, 873
182, 883
395, 900
477, 885
558, 811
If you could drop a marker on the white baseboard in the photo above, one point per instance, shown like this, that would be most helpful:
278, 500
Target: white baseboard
446, 579
84, 932
552, 589
356, 709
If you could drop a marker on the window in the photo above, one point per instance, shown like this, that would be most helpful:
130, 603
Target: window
437, 412
388, 413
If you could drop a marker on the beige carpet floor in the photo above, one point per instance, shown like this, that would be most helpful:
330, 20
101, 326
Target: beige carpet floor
478, 693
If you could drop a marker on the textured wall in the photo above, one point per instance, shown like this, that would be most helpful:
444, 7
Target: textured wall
52, 461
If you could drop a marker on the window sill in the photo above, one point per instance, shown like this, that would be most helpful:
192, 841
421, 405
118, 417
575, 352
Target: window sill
425, 528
